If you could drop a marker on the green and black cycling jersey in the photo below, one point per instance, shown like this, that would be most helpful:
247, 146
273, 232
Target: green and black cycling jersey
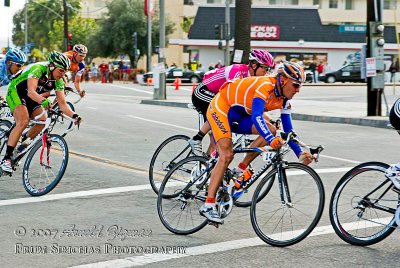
17, 93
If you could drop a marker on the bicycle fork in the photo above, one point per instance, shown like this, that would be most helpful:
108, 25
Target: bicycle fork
46, 143
283, 186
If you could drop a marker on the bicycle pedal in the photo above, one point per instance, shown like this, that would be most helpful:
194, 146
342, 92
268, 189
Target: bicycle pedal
216, 225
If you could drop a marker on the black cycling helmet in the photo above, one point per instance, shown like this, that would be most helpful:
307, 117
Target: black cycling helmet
60, 60
394, 116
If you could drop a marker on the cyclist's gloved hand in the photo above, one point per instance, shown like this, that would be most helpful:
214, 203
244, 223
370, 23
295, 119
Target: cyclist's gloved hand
82, 93
46, 104
78, 119
306, 158
277, 143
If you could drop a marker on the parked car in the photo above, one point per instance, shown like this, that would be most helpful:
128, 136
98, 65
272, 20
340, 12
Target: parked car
186, 76
347, 73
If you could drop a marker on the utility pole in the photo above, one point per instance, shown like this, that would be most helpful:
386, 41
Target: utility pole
65, 25
148, 62
26, 23
160, 93
375, 51
227, 32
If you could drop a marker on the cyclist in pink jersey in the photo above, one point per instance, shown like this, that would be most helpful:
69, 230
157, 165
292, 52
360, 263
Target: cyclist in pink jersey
260, 63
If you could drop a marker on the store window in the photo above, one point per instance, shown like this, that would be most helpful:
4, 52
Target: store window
389, 4
315, 2
348, 5
284, 2
333, 3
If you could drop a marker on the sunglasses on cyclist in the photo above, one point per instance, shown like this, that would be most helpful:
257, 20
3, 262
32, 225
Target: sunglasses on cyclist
296, 85
266, 68
19, 65
61, 70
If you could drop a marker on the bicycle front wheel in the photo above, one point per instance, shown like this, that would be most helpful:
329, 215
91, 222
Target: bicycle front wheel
44, 167
181, 194
363, 205
286, 222
170, 152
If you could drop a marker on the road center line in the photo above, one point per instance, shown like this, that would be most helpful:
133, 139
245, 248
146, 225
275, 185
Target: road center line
133, 89
208, 249
114, 190
160, 123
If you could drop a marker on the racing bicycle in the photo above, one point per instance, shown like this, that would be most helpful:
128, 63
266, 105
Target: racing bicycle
286, 206
47, 155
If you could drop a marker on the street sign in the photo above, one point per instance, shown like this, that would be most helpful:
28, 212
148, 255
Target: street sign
352, 28
370, 64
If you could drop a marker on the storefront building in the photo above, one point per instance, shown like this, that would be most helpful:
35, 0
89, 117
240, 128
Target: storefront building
290, 33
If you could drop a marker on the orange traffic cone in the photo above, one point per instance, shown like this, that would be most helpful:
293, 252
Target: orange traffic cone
177, 83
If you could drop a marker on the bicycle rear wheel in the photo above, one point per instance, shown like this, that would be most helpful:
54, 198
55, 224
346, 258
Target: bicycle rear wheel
363, 204
40, 177
284, 224
170, 152
181, 194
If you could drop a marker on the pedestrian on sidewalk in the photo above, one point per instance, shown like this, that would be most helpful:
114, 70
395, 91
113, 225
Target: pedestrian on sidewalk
393, 69
313, 68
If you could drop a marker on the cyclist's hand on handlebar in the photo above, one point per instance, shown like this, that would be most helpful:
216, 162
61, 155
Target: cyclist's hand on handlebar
82, 93
46, 104
306, 158
277, 143
78, 119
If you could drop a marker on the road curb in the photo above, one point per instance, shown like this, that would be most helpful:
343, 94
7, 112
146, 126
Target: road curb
379, 123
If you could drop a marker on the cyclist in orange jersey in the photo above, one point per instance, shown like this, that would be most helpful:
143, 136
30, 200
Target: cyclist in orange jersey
244, 101
77, 57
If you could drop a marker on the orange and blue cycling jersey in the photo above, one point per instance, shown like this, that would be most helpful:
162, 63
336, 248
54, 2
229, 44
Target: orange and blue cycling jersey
244, 101
76, 67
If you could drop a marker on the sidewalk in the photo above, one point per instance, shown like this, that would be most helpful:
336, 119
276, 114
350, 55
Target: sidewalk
346, 107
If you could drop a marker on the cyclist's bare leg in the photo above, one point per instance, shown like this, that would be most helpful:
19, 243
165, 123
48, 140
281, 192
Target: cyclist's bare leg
258, 142
35, 130
212, 145
224, 147
21, 117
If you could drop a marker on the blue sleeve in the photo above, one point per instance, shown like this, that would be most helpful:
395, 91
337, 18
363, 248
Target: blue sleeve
287, 126
258, 120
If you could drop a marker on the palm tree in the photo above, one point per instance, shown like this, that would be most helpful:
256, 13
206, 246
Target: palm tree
242, 27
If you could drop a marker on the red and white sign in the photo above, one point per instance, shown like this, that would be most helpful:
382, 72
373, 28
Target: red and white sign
370, 64
151, 7
264, 32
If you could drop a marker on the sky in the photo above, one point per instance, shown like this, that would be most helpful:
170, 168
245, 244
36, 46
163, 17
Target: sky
6, 16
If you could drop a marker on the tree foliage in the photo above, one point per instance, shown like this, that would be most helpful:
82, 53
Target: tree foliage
42, 16
80, 28
124, 17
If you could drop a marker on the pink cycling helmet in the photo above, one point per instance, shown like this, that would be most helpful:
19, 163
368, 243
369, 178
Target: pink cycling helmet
262, 57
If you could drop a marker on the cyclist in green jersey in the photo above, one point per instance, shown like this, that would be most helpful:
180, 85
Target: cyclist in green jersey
25, 99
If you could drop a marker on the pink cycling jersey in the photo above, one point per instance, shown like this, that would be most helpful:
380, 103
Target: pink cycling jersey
214, 79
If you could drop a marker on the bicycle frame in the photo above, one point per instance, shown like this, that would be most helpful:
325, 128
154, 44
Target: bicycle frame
41, 137
273, 158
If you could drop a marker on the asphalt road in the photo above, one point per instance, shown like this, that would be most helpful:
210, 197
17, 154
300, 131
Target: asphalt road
105, 194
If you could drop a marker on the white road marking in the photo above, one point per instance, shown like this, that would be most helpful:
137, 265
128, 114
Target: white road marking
176, 126
93, 108
135, 89
122, 189
341, 159
161, 123
210, 248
